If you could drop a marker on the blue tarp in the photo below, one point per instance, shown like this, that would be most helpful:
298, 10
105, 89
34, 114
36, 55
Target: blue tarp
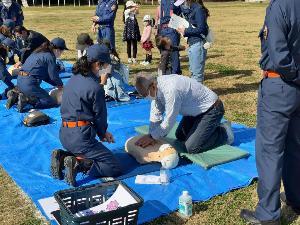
25, 155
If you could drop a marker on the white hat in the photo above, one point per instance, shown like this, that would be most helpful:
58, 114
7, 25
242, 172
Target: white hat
179, 2
130, 4
147, 18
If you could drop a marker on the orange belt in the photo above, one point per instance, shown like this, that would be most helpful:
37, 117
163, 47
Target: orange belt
270, 74
24, 74
72, 124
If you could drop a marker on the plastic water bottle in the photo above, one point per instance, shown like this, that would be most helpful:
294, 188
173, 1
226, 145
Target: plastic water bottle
164, 176
185, 204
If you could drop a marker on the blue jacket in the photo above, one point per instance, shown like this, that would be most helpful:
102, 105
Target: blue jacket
14, 12
106, 11
84, 99
4, 74
280, 39
197, 19
42, 66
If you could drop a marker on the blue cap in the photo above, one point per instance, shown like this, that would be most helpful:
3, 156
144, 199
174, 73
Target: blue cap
98, 53
2, 37
9, 43
9, 23
59, 43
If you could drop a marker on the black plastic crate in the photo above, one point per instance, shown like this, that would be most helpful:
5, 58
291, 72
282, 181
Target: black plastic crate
74, 200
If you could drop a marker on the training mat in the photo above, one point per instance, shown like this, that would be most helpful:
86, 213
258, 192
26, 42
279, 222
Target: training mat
208, 159
25, 155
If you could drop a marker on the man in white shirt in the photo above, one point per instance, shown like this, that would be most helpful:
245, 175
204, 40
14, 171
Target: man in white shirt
200, 128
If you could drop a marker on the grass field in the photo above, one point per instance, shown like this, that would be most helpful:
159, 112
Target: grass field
232, 71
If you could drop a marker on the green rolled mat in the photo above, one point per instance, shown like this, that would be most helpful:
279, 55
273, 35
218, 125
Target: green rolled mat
220, 155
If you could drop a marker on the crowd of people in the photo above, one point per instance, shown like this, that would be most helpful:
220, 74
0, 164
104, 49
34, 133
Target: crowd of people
97, 75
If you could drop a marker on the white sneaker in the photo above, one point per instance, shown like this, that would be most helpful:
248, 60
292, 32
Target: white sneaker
227, 126
134, 61
146, 63
129, 61
143, 63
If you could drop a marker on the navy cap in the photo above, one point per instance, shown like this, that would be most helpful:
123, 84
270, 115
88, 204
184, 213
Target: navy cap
98, 53
2, 37
9, 23
59, 43
9, 43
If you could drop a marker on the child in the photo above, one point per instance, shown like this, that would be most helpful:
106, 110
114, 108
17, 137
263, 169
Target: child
166, 48
83, 42
146, 39
131, 32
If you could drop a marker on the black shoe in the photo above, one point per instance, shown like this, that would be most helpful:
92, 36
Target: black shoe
12, 98
57, 163
22, 102
284, 200
71, 168
250, 218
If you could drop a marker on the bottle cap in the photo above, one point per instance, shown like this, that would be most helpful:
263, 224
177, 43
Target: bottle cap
185, 193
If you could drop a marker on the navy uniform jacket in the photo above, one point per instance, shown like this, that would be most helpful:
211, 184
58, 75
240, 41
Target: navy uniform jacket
4, 74
106, 11
197, 19
280, 39
34, 40
42, 66
14, 12
84, 99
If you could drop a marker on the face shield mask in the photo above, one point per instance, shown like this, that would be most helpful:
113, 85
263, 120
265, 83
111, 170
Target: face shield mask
7, 3
10, 54
185, 6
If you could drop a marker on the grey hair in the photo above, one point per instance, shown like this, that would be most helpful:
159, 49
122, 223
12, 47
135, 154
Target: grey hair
143, 81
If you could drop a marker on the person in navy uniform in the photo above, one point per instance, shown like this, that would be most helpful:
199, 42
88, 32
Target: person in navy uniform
165, 31
27, 41
84, 116
10, 44
5, 77
11, 10
196, 14
278, 114
39, 66
105, 17
59, 46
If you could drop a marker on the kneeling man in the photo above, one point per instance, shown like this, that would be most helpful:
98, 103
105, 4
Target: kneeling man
200, 128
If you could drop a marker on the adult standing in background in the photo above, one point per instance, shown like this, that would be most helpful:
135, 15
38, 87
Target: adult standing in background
278, 114
105, 17
11, 10
196, 14
166, 11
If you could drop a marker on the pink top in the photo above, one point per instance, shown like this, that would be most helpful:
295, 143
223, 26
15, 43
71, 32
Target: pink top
146, 36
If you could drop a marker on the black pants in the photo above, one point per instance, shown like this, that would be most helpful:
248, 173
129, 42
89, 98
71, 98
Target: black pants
132, 43
202, 132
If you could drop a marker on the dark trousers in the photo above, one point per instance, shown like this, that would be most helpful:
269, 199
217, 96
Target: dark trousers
277, 146
30, 87
81, 141
175, 39
133, 44
107, 33
202, 132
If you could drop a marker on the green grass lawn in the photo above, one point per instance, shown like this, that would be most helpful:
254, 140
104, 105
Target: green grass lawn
232, 71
